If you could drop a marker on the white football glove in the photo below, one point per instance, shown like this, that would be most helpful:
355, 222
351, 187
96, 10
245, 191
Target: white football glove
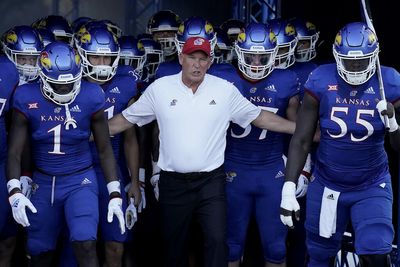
115, 208
142, 204
302, 186
18, 204
381, 106
26, 186
130, 215
289, 204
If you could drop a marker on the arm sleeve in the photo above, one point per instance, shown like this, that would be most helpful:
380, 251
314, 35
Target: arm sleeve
142, 111
243, 112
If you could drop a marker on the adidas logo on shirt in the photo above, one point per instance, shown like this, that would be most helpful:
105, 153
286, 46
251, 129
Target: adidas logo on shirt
212, 102
75, 109
270, 88
86, 181
331, 197
115, 90
370, 91
279, 174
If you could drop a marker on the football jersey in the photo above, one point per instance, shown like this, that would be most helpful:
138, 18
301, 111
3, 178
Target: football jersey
118, 92
126, 70
303, 69
351, 152
255, 146
9, 79
57, 150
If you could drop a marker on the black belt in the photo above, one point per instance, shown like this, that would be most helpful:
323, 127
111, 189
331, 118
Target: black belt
193, 175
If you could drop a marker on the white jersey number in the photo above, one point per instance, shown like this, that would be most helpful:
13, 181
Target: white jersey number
2, 105
343, 126
247, 130
57, 140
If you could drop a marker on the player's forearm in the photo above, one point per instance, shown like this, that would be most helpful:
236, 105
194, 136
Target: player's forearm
298, 151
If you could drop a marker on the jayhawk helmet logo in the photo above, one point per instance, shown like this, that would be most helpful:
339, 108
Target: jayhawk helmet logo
372, 38
140, 46
310, 26
181, 29
11, 37
289, 30
241, 37
45, 60
272, 36
338, 39
86, 37
209, 28
77, 59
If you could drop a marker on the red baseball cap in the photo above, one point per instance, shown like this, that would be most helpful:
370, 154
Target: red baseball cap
196, 44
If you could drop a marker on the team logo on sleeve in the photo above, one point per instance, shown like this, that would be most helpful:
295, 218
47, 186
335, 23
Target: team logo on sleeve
33, 105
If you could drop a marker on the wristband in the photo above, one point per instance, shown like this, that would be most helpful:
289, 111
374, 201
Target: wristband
114, 186
12, 184
306, 174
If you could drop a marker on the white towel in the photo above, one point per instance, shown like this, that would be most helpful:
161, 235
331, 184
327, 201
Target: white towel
327, 216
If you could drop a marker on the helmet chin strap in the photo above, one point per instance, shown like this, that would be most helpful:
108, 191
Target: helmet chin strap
69, 121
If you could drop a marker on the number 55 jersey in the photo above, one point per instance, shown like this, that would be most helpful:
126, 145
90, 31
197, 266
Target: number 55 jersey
351, 154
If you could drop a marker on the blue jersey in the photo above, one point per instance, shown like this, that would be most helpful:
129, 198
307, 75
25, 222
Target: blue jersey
303, 69
255, 146
351, 152
168, 68
126, 70
9, 79
56, 149
118, 92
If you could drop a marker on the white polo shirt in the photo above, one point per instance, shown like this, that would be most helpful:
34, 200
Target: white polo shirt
192, 126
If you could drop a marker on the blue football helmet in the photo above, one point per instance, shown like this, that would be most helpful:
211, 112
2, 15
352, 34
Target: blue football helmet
307, 37
356, 51
163, 26
60, 73
223, 50
132, 53
98, 41
46, 35
78, 23
22, 45
256, 49
232, 28
194, 27
58, 25
154, 56
112, 27
286, 38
